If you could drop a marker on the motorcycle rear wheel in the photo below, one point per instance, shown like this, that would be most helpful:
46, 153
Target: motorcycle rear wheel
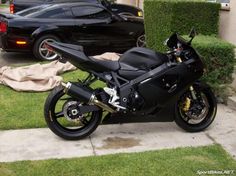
190, 121
60, 125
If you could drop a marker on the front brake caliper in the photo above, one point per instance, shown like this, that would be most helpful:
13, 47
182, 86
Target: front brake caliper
186, 104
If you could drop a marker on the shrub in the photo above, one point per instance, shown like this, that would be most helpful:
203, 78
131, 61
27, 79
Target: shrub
219, 57
163, 17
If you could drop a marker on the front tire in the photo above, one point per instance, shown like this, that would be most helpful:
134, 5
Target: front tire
60, 125
41, 52
195, 121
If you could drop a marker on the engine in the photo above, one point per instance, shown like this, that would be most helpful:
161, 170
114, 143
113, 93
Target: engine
135, 101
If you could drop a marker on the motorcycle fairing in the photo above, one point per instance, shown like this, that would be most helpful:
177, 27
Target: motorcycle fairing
75, 55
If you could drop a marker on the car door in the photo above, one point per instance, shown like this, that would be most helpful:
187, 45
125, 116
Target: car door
98, 31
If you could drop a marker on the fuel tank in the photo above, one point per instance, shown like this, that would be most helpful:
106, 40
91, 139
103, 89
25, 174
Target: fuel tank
138, 61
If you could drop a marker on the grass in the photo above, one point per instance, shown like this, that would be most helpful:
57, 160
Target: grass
25, 110
172, 162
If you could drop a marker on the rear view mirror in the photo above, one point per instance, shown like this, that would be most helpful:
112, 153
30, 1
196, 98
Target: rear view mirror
192, 33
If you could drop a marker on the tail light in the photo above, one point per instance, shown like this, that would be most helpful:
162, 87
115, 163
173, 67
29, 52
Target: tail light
12, 8
3, 27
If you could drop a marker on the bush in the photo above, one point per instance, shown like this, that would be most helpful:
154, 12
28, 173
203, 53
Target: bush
163, 17
3, 1
219, 57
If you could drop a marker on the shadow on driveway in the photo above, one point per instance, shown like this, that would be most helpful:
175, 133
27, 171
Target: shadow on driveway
16, 59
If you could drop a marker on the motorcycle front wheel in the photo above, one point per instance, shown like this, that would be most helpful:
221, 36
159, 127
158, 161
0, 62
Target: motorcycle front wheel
194, 115
62, 115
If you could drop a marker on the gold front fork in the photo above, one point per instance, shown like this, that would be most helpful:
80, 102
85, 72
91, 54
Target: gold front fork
191, 87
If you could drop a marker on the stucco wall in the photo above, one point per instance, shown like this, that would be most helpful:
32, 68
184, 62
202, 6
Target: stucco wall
228, 23
137, 3
130, 2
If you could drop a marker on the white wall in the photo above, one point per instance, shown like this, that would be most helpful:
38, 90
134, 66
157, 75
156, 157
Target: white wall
228, 23
137, 3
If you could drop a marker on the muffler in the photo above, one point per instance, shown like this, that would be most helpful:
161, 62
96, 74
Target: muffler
85, 95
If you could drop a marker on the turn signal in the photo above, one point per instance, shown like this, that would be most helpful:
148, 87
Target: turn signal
140, 13
21, 42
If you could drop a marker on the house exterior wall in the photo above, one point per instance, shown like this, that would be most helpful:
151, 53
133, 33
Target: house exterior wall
228, 23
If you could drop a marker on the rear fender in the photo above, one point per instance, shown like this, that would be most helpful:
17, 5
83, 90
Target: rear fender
46, 30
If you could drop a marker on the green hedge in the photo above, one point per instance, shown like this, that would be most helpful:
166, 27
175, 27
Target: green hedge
163, 17
219, 57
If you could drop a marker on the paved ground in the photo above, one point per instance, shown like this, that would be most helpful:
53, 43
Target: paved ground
37, 144
13, 59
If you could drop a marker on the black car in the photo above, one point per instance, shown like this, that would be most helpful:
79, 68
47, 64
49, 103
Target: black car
19, 5
91, 25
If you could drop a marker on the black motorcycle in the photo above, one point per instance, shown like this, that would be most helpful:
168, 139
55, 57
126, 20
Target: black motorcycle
141, 83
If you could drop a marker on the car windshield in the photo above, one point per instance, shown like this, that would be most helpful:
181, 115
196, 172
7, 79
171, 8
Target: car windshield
32, 10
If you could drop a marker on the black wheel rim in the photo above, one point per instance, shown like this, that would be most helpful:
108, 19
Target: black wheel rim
61, 121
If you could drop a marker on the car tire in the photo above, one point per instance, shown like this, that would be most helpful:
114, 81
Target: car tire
39, 50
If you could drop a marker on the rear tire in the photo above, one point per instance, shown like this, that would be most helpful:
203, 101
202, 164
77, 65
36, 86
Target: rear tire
180, 119
42, 53
141, 41
63, 131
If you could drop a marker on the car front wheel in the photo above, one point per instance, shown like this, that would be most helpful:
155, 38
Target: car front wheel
41, 52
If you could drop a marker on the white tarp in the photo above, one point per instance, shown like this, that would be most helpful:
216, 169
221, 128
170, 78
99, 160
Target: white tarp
40, 77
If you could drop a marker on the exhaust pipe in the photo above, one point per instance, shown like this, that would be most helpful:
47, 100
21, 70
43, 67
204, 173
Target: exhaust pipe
85, 95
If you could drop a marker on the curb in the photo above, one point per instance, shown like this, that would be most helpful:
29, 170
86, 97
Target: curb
232, 102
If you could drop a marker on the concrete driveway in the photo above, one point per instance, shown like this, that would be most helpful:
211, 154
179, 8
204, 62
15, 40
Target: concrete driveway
16, 59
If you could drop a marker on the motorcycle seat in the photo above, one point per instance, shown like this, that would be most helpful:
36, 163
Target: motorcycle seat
105, 65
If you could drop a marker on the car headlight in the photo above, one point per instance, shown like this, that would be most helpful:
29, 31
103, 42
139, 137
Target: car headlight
140, 13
